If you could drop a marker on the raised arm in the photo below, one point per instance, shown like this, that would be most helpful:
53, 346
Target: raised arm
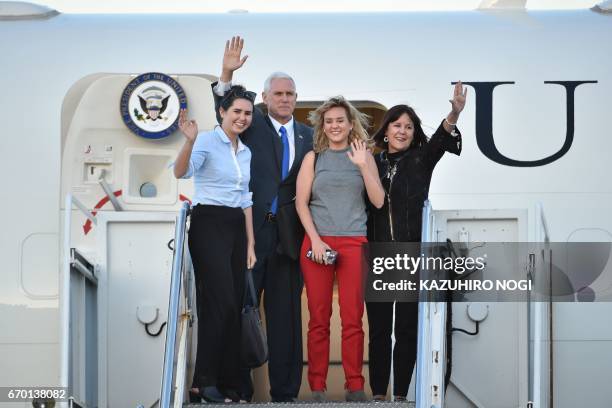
231, 62
457, 105
189, 128
447, 137
303, 190
363, 159
231, 58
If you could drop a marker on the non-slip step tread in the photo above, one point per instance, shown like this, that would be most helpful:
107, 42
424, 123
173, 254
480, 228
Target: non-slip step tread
311, 404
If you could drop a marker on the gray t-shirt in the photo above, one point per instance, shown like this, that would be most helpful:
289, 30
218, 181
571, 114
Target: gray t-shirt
337, 202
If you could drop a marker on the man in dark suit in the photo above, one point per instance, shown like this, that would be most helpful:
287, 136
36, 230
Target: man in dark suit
278, 144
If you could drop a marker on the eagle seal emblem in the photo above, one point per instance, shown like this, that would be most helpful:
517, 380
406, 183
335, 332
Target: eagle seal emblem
151, 103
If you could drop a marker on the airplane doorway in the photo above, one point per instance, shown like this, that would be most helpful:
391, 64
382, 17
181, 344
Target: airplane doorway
374, 110
335, 380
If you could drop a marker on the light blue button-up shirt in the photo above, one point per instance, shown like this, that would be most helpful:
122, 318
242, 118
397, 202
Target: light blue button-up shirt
220, 174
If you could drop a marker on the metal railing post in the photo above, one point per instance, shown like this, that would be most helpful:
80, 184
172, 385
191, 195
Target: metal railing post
173, 308
431, 355
64, 303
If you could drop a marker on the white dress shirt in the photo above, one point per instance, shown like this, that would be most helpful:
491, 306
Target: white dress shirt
290, 136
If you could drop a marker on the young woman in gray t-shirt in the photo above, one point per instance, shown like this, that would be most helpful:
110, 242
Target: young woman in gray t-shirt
332, 186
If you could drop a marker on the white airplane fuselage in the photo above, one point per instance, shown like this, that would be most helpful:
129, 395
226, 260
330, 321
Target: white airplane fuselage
536, 129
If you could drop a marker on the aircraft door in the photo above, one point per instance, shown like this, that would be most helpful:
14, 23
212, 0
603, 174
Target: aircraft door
120, 217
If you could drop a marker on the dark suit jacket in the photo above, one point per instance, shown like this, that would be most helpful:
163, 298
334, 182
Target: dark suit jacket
267, 155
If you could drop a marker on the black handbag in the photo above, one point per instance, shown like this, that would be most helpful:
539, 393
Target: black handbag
290, 231
254, 351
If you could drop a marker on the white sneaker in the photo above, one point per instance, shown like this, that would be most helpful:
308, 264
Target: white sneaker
319, 396
355, 396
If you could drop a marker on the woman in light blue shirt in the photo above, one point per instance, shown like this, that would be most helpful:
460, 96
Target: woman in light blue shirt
221, 240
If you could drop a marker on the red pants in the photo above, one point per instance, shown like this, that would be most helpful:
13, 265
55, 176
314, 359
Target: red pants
319, 282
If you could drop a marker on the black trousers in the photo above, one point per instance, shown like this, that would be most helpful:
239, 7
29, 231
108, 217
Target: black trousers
281, 281
380, 319
217, 244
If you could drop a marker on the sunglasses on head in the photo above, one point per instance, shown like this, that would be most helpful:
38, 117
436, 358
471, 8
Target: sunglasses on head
239, 93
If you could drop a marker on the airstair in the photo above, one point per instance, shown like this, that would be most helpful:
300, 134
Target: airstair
127, 310
128, 320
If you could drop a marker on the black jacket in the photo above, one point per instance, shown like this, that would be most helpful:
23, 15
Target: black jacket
266, 160
408, 189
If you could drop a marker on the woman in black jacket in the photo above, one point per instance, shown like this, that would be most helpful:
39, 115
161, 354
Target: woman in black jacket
405, 167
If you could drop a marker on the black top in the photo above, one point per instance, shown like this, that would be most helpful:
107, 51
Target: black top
405, 177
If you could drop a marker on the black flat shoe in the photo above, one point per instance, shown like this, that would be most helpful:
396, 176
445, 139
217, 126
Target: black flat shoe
210, 394
285, 399
194, 397
231, 394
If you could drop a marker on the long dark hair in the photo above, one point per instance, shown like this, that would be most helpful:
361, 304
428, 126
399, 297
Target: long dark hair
419, 139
